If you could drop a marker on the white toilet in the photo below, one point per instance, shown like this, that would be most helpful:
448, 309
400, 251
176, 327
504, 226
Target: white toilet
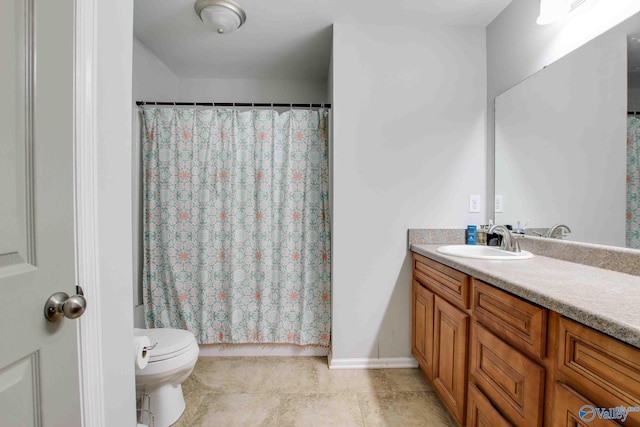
171, 361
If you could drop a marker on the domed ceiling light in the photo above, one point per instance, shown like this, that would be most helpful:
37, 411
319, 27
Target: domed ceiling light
225, 16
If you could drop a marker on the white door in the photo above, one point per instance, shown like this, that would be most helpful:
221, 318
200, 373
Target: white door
39, 380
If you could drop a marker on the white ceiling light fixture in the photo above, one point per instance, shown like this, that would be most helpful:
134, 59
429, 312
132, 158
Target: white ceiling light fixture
552, 11
225, 16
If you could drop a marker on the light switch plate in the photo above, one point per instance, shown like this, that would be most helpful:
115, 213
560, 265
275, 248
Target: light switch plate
474, 203
499, 205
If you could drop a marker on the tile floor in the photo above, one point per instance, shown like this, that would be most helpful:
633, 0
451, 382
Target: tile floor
302, 391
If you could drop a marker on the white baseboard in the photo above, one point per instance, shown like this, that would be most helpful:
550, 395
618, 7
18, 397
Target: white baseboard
370, 363
261, 350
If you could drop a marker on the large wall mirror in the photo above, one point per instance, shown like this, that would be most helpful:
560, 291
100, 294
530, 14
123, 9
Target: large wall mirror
565, 140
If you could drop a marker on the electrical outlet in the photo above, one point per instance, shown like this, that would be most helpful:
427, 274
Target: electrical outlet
499, 204
474, 203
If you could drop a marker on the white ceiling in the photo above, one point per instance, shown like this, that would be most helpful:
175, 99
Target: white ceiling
283, 39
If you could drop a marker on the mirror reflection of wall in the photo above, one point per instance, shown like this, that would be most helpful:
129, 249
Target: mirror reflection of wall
633, 80
633, 142
560, 151
633, 181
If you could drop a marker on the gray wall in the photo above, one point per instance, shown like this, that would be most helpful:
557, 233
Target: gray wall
409, 131
252, 90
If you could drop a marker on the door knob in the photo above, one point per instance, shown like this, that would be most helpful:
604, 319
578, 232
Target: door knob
61, 305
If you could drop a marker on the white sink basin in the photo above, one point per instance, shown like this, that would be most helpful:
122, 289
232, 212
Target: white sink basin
482, 252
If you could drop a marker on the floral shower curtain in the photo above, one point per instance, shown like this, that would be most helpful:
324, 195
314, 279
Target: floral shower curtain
236, 227
633, 182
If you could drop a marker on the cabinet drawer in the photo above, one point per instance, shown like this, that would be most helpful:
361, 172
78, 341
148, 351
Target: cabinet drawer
566, 410
604, 369
512, 381
444, 281
480, 411
518, 322
422, 327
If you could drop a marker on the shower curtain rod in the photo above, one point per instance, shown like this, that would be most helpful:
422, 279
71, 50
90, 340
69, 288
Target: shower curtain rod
234, 104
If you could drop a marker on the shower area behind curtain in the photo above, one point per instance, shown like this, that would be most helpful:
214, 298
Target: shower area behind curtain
236, 225
633, 183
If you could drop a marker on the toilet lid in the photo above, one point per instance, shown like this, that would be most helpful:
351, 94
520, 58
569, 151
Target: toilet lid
171, 342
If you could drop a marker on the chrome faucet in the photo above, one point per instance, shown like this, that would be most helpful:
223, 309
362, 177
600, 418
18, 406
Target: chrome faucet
558, 231
510, 242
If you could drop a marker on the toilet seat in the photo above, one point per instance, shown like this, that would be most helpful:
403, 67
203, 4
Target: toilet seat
169, 343
171, 361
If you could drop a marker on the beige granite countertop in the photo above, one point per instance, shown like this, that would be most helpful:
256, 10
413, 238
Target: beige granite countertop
605, 300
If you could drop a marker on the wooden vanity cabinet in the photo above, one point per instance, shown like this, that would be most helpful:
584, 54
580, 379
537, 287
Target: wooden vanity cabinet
498, 360
440, 330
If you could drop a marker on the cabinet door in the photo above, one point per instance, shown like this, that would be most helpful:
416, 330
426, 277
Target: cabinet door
480, 411
450, 338
513, 382
570, 409
422, 327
